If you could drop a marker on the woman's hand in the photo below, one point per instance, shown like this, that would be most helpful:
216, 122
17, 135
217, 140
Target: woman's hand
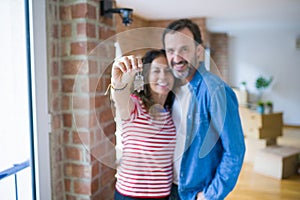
124, 69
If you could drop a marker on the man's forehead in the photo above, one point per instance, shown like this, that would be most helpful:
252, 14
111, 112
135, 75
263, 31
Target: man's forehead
184, 35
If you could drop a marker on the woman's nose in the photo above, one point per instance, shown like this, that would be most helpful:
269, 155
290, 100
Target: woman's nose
162, 74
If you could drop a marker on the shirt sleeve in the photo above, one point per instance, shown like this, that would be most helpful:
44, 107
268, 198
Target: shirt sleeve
226, 122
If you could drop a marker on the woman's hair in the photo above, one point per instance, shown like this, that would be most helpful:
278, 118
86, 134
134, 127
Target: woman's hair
145, 94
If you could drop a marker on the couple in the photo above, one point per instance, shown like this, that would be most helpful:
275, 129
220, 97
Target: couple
194, 123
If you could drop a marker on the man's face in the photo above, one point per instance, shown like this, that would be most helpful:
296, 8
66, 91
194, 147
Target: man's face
182, 53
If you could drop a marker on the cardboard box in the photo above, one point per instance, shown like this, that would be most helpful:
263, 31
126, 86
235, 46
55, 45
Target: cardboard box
261, 126
277, 161
290, 137
253, 145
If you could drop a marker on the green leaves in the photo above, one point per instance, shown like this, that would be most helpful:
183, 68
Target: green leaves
263, 83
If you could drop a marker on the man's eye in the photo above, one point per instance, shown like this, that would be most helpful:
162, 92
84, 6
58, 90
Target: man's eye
184, 49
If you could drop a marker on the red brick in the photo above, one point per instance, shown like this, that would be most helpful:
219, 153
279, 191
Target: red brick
83, 11
81, 120
67, 85
81, 137
58, 187
65, 102
86, 29
64, 48
55, 102
67, 120
106, 116
82, 187
81, 29
66, 30
77, 170
81, 102
93, 67
54, 31
65, 13
105, 33
56, 122
91, 30
73, 67
101, 100
66, 137
95, 169
54, 69
79, 48
54, 85
71, 197
58, 155
68, 185
73, 153
108, 177
95, 186
110, 129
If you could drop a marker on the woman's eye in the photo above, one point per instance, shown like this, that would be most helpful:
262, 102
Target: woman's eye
170, 51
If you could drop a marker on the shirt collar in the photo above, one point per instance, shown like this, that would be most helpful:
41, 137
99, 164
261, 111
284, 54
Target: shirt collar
198, 76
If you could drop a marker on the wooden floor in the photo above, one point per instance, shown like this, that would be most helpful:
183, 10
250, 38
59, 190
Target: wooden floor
251, 185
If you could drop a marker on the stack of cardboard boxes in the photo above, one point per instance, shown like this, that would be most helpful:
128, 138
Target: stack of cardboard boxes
261, 132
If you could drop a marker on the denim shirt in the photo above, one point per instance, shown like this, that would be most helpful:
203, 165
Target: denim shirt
214, 147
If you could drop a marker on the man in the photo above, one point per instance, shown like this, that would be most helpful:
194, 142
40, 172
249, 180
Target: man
210, 143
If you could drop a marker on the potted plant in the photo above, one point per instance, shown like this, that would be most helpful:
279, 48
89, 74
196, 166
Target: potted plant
261, 84
269, 107
260, 108
243, 85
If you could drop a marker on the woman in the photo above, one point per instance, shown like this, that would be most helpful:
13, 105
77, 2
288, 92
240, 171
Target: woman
148, 132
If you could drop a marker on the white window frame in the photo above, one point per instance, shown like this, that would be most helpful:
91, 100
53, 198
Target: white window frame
41, 122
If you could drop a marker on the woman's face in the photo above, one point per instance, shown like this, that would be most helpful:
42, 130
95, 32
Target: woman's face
161, 78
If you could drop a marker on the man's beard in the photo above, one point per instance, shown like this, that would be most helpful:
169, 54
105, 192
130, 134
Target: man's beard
182, 75
189, 71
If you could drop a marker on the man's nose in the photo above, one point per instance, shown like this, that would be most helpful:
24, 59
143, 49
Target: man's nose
177, 57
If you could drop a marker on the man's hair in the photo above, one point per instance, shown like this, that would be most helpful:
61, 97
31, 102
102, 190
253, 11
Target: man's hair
181, 24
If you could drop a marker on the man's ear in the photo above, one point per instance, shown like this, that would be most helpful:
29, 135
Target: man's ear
200, 52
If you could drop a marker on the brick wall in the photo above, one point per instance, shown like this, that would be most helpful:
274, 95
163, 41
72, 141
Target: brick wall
82, 137
219, 55
79, 54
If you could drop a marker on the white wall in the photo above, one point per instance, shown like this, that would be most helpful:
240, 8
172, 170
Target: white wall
269, 53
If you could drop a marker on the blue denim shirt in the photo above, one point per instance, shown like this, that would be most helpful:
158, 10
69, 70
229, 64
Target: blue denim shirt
214, 148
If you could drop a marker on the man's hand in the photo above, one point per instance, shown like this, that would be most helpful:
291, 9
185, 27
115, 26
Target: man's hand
200, 196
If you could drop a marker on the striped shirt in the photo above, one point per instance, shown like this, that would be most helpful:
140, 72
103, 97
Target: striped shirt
146, 167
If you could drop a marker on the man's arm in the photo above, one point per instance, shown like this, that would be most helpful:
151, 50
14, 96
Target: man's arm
226, 120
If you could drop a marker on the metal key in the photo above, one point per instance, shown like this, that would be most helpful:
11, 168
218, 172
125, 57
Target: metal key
138, 82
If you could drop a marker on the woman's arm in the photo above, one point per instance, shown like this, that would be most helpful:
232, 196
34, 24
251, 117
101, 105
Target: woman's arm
123, 71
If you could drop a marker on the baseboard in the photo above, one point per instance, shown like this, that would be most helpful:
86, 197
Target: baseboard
291, 126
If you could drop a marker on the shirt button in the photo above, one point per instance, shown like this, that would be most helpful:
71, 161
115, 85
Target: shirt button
181, 174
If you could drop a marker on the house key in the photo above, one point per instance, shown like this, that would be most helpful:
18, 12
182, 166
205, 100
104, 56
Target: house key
138, 82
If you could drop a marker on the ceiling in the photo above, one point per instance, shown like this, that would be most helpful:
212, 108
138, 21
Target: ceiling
223, 15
